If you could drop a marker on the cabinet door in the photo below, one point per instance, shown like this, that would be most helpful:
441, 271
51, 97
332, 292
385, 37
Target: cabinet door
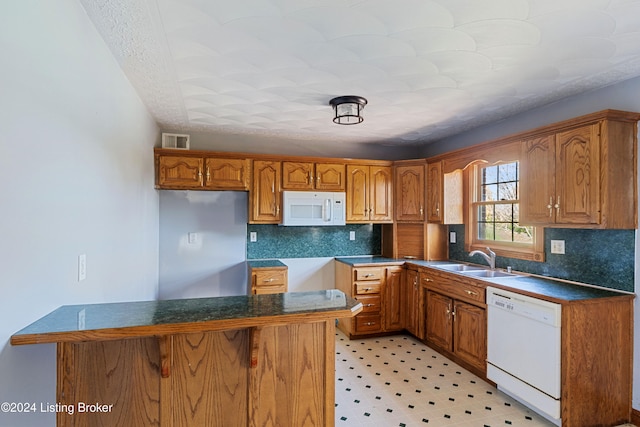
578, 176
357, 193
470, 334
439, 320
179, 172
411, 302
297, 176
409, 199
537, 180
226, 174
435, 193
393, 301
266, 194
380, 193
330, 177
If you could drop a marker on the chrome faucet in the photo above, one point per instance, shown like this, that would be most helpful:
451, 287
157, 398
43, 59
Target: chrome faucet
491, 258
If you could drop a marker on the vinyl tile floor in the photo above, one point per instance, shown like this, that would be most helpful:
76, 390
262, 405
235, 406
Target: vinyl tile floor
399, 381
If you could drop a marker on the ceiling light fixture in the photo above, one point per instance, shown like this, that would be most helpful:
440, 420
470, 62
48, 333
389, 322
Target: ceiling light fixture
348, 109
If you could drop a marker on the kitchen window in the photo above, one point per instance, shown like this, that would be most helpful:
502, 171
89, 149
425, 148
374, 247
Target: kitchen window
495, 213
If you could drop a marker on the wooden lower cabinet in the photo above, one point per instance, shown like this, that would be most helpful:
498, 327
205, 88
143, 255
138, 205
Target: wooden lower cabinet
413, 304
268, 280
456, 320
379, 289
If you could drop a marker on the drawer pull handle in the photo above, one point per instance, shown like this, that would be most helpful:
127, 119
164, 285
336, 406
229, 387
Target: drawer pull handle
426, 279
369, 305
368, 289
471, 292
368, 275
269, 280
370, 323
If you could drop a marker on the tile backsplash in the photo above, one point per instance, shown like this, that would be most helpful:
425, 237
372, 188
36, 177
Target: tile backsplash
274, 241
598, 257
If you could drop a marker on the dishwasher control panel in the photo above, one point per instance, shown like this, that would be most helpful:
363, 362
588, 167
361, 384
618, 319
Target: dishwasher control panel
526, 306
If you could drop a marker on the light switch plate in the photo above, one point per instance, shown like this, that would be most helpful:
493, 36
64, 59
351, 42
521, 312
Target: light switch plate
352, 235
253, 236
557, 246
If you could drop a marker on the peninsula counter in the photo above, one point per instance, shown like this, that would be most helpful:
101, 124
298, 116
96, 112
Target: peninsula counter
253, 360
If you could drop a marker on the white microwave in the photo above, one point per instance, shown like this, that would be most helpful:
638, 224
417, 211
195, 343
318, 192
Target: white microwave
312, 208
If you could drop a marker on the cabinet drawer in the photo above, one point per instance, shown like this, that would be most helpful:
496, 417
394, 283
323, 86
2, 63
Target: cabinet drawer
270, 277
368, 323
370, 304
454, 289
365, 288
277, 289
374, 273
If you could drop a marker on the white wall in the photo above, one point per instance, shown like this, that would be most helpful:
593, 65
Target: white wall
623, 96
214, 263
76, 176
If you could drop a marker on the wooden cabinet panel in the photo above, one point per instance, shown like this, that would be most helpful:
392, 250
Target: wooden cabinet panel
394, 310
370, 303
380, 194
227, 174
266, 195
369, 194
357, 193
313, 176
439, 329
578, 176
470, 334
368, 273
297, 176
268, 280
368, 323
537, 180
330, 177
412, 303
410, 193
179, 172
567, 177
435, 193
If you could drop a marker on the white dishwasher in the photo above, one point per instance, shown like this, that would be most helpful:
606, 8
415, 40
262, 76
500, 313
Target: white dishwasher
523, 349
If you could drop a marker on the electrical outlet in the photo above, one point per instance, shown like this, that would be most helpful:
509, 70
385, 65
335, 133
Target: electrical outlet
82, 267
82, 316
557, 247
192, 238
253, 236
352, 235
452, 237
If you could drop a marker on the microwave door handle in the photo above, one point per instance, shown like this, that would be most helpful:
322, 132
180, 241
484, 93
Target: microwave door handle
327, 210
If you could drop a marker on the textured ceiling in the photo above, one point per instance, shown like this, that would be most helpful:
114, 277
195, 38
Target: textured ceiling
429, 68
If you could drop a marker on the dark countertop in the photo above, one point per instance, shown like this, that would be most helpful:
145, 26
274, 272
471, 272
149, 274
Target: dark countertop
267, 263
367, 260
548, 288
148, 318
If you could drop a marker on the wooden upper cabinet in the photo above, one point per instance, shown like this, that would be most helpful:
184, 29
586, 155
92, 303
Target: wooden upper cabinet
560, 182
330, 177
369, 193
537, 180
435, 193
578, 176
266, 195
198, 172
410, 193
297, 176
227, 174
179, 172
313, 176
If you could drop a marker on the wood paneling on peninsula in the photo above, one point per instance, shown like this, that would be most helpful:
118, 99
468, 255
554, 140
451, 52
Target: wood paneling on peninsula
229, 361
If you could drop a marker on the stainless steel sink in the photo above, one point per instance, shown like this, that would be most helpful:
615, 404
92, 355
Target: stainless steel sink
458, 267
488, 273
